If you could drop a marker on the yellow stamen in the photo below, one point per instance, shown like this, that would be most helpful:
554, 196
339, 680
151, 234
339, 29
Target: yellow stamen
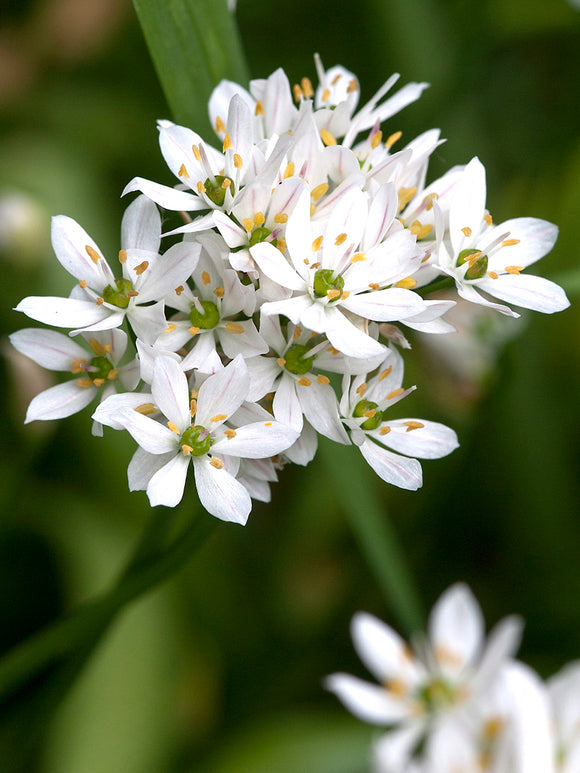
85, 383
335, 80
96, 346
405, 195
488, 219
122, 256
195, 148
238, 163
340, 239
179, 290
234, 327
281, 361
332, 350
492, 274
289, 171
183, 171
281, 217
374, 286
509, 242
297, 92
307, 87
171, 328
259, 219
219, 292
193, 330
420, 230
384, 430
319, 191
112, 374
297, 332
281, 243
219, 417
428, 201
326, 95
141, 268
229, 433
268, 423
303, 381
76, 366
407, 283
317, 243
98, 382
352, 86
327, 137
320, 379
384, 373
312, 209
361, 389
345, 295
259, 109
226, 183
83, 283
205, 277
219, 125
394, 137
100, 301
248, 224
331, 294
132, 293
217, 463
146, 409
358, 257
193, 406
514, 269
227, 143
173, 428
315, 265
200, 187
466, 230
376, 140
370, 414
92, 253
411, 425
186, 450
395, 393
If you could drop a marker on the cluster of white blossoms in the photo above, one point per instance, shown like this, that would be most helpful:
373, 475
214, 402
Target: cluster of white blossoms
308, 238
457, 703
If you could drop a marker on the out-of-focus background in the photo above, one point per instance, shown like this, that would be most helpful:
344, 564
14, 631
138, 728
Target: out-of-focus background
220, 670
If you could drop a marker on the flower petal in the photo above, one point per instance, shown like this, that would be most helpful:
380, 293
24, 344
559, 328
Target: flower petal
220, 493
398, 470
366, 701
59, 401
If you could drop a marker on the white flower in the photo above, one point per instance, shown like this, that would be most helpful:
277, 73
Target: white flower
448, 673
485, 258
215, 450
96, 371
102, 301
564, 692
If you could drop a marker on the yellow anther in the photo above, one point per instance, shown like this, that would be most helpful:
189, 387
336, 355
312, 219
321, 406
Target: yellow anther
420, 230
226, 183
312, 209
229, 433
370, 413
195, 148
289, 171
107, 348
335, 80
132, 293
92, 253
219, 125
100, 301
397, 687
488, 219
219, 292
411, 425
466, 230
146, 409
395, 393
514, 269
297, 332
352, 86
326, 95
407, 283
141, 268
248, 224
186, 450
281, 361
219, 417
318, 192
340, 239
492, 274
83, 283
331, 294
297, 92
205, 277
238, 163
391, 139
315, 265
193, 330
227, 143
510, 242
96, 346
377, 139
281, 217
259, 109
327, 137
384, 373
98, 382
112, 374
183, 171
76, 366
332, 350
281, 243
303, 381
428, 201
268, 423
320, 379
179, 290
317, 243
234, 327
217, 463
193, 406
384, 430
171, 328
122, 256
259, 219
374, 286
405, 195
173, 428
361, 389
307, 89
200, 187
473, 257
358, 257
85, 383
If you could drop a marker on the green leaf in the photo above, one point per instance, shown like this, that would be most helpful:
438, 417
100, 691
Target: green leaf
194, 44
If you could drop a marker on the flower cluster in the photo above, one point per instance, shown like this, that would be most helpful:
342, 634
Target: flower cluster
459, 703
265, 321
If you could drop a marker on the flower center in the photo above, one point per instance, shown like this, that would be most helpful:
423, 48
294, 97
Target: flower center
197, 440
101, 370
206, 317
296, 360
437, 694
367, 408
261, 235
120, 294
477, 263
325, 282
216, 191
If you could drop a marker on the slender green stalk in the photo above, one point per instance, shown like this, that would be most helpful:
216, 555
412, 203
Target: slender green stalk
377, 539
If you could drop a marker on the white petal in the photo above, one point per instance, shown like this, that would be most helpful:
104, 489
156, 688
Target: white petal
347, 338
502, 644
304, 449
222, 394
536, 239
385, 305
286, 405
143, 467
293, 308
60, 401
70, 242
429, 441
166, 486
171, 392
63, 312
166, 197
152, 436
456, 628
468, 204
220, 493
48, 348
398, 470
381, 649
172, 270
274, 264
248, 343
259, 440
320, 406
141, 226
531, 292
366, 701
108, 411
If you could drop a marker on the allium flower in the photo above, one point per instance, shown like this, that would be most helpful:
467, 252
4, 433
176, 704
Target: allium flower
173, 428
564, 692
448, 673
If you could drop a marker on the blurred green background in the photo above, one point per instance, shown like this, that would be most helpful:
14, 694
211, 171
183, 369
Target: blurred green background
220, 669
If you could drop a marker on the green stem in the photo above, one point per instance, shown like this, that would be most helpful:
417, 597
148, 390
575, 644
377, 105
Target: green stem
377, 539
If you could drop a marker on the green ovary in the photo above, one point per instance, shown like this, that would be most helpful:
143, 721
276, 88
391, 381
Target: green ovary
102, 367
296, 360
261, 235
437, 694
216, 191
118, 295
207, 318
324, 280
198, 439
477, 268
362, 408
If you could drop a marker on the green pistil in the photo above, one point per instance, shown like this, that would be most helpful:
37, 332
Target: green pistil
207, 318
325, 281
261, 235
100, 368
477, 268
296, 361
365, 407
437, 694
198, 439
118, 295
215, 191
